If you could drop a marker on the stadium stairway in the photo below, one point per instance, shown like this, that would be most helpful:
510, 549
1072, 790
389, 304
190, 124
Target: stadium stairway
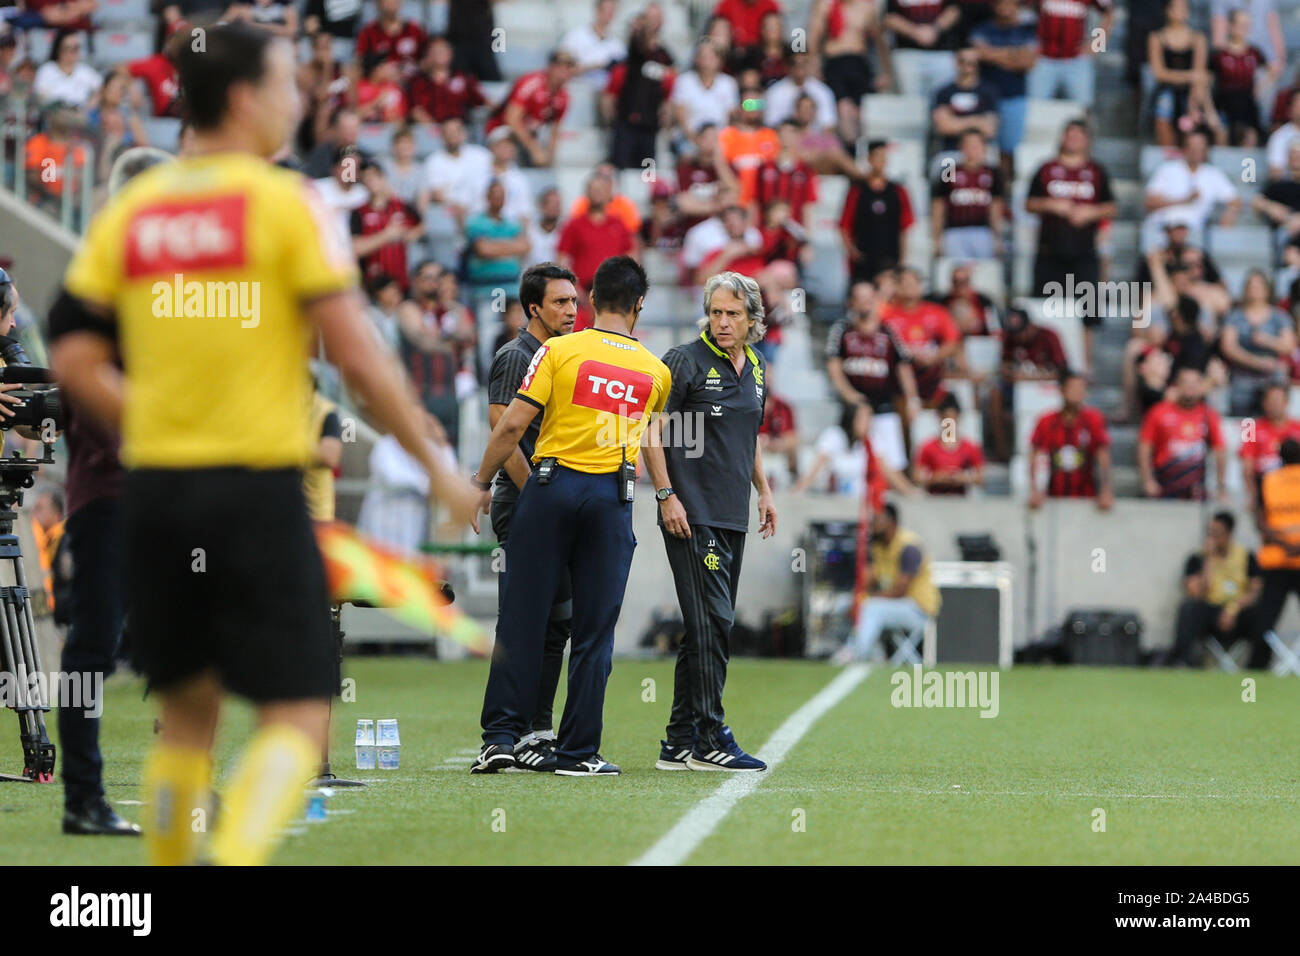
1116, 121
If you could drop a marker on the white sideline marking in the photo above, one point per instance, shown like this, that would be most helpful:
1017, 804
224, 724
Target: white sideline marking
675, 846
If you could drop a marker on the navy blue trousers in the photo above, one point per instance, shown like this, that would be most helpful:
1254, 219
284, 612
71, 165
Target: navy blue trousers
576, 522
98, 609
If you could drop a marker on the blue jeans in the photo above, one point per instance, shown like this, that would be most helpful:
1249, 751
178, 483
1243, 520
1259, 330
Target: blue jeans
924, 72
1074, 78
1011, 123
880, 614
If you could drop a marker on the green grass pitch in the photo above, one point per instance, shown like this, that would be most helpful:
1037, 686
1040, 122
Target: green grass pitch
1185, 771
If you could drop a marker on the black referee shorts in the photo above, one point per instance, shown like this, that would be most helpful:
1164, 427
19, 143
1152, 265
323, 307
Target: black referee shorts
223, 574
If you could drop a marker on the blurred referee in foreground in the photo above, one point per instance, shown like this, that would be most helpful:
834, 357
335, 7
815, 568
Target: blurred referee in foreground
597, 388
211, 274
703, 455
549, 295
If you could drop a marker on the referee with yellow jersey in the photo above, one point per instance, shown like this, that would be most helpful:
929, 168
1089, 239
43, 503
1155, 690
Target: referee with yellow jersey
212, 275
598, 389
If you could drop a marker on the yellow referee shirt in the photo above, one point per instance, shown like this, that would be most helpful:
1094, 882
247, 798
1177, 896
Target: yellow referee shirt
597, 390
206, 264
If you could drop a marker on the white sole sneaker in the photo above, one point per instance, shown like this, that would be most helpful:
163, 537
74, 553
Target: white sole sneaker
693, 764
670, 765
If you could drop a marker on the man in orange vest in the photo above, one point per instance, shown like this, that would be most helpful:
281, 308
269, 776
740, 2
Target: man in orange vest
1279, 528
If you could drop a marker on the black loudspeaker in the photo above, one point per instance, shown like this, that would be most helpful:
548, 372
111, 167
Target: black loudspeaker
978, 547
1104, 637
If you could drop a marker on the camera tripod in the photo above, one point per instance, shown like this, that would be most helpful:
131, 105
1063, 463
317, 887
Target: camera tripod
20, 655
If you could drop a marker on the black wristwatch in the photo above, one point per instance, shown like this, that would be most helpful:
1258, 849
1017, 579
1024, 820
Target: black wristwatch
480, 485
663, 494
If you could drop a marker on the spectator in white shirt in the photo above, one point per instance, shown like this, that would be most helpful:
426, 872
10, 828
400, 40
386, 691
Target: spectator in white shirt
544, 229
704, 94
342, 190
405, 173
594, 46
457, 175
1279, 144
1188, 189
784, 94
504, 168
64, 78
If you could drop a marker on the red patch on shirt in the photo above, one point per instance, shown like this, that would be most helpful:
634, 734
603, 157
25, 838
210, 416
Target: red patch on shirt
608, 388
187, 235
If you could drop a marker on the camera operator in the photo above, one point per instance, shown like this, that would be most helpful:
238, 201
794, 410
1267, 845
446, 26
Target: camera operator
98, 592
8, 319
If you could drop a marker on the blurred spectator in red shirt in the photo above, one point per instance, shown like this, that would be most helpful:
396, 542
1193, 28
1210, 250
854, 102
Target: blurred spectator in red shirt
392, 37
1176, 439
746, 18
949, 463
700, 176
778, 434
1030, 353
785, 176
380, 98
784, 240
971, 309
1076, 445
741, 249
159, 74
382, 227
438, 92
72, 14
589, 239
537, 101
927, 331
1263, 436
663, 229
635, 103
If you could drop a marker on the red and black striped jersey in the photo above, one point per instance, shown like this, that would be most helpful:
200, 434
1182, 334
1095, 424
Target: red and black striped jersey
968, 195
1071, 448
870, 360
390, 258
1234, 72
1063, 26
794, 183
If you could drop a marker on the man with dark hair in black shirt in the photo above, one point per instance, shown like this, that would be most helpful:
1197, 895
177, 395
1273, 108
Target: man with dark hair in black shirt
877, 214
549, 296
702, 456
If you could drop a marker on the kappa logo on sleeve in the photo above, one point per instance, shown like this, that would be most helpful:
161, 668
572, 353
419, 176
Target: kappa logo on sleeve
532, 368
609, 388
188, 235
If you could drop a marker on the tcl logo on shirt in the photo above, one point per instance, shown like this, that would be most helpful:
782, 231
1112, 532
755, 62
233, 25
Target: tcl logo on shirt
608, 388
187, 235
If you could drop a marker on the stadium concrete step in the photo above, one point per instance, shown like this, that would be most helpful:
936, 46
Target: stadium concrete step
1123, 442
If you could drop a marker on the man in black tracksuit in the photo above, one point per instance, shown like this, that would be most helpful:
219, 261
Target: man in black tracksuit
702, 456
549, 296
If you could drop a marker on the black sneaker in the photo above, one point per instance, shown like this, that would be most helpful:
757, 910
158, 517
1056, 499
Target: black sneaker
531, 752
595, 766
494, 758
97, 818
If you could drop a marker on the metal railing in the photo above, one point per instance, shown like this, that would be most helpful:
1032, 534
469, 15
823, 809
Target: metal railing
74, 214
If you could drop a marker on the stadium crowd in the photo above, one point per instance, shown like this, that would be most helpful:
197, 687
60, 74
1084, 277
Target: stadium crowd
445, 165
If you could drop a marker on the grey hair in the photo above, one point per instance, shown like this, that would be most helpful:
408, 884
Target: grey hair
745, 289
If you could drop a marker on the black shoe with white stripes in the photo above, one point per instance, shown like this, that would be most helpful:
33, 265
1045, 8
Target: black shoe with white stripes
531, 752
494, 758
727, 757
595, 766
672, 757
